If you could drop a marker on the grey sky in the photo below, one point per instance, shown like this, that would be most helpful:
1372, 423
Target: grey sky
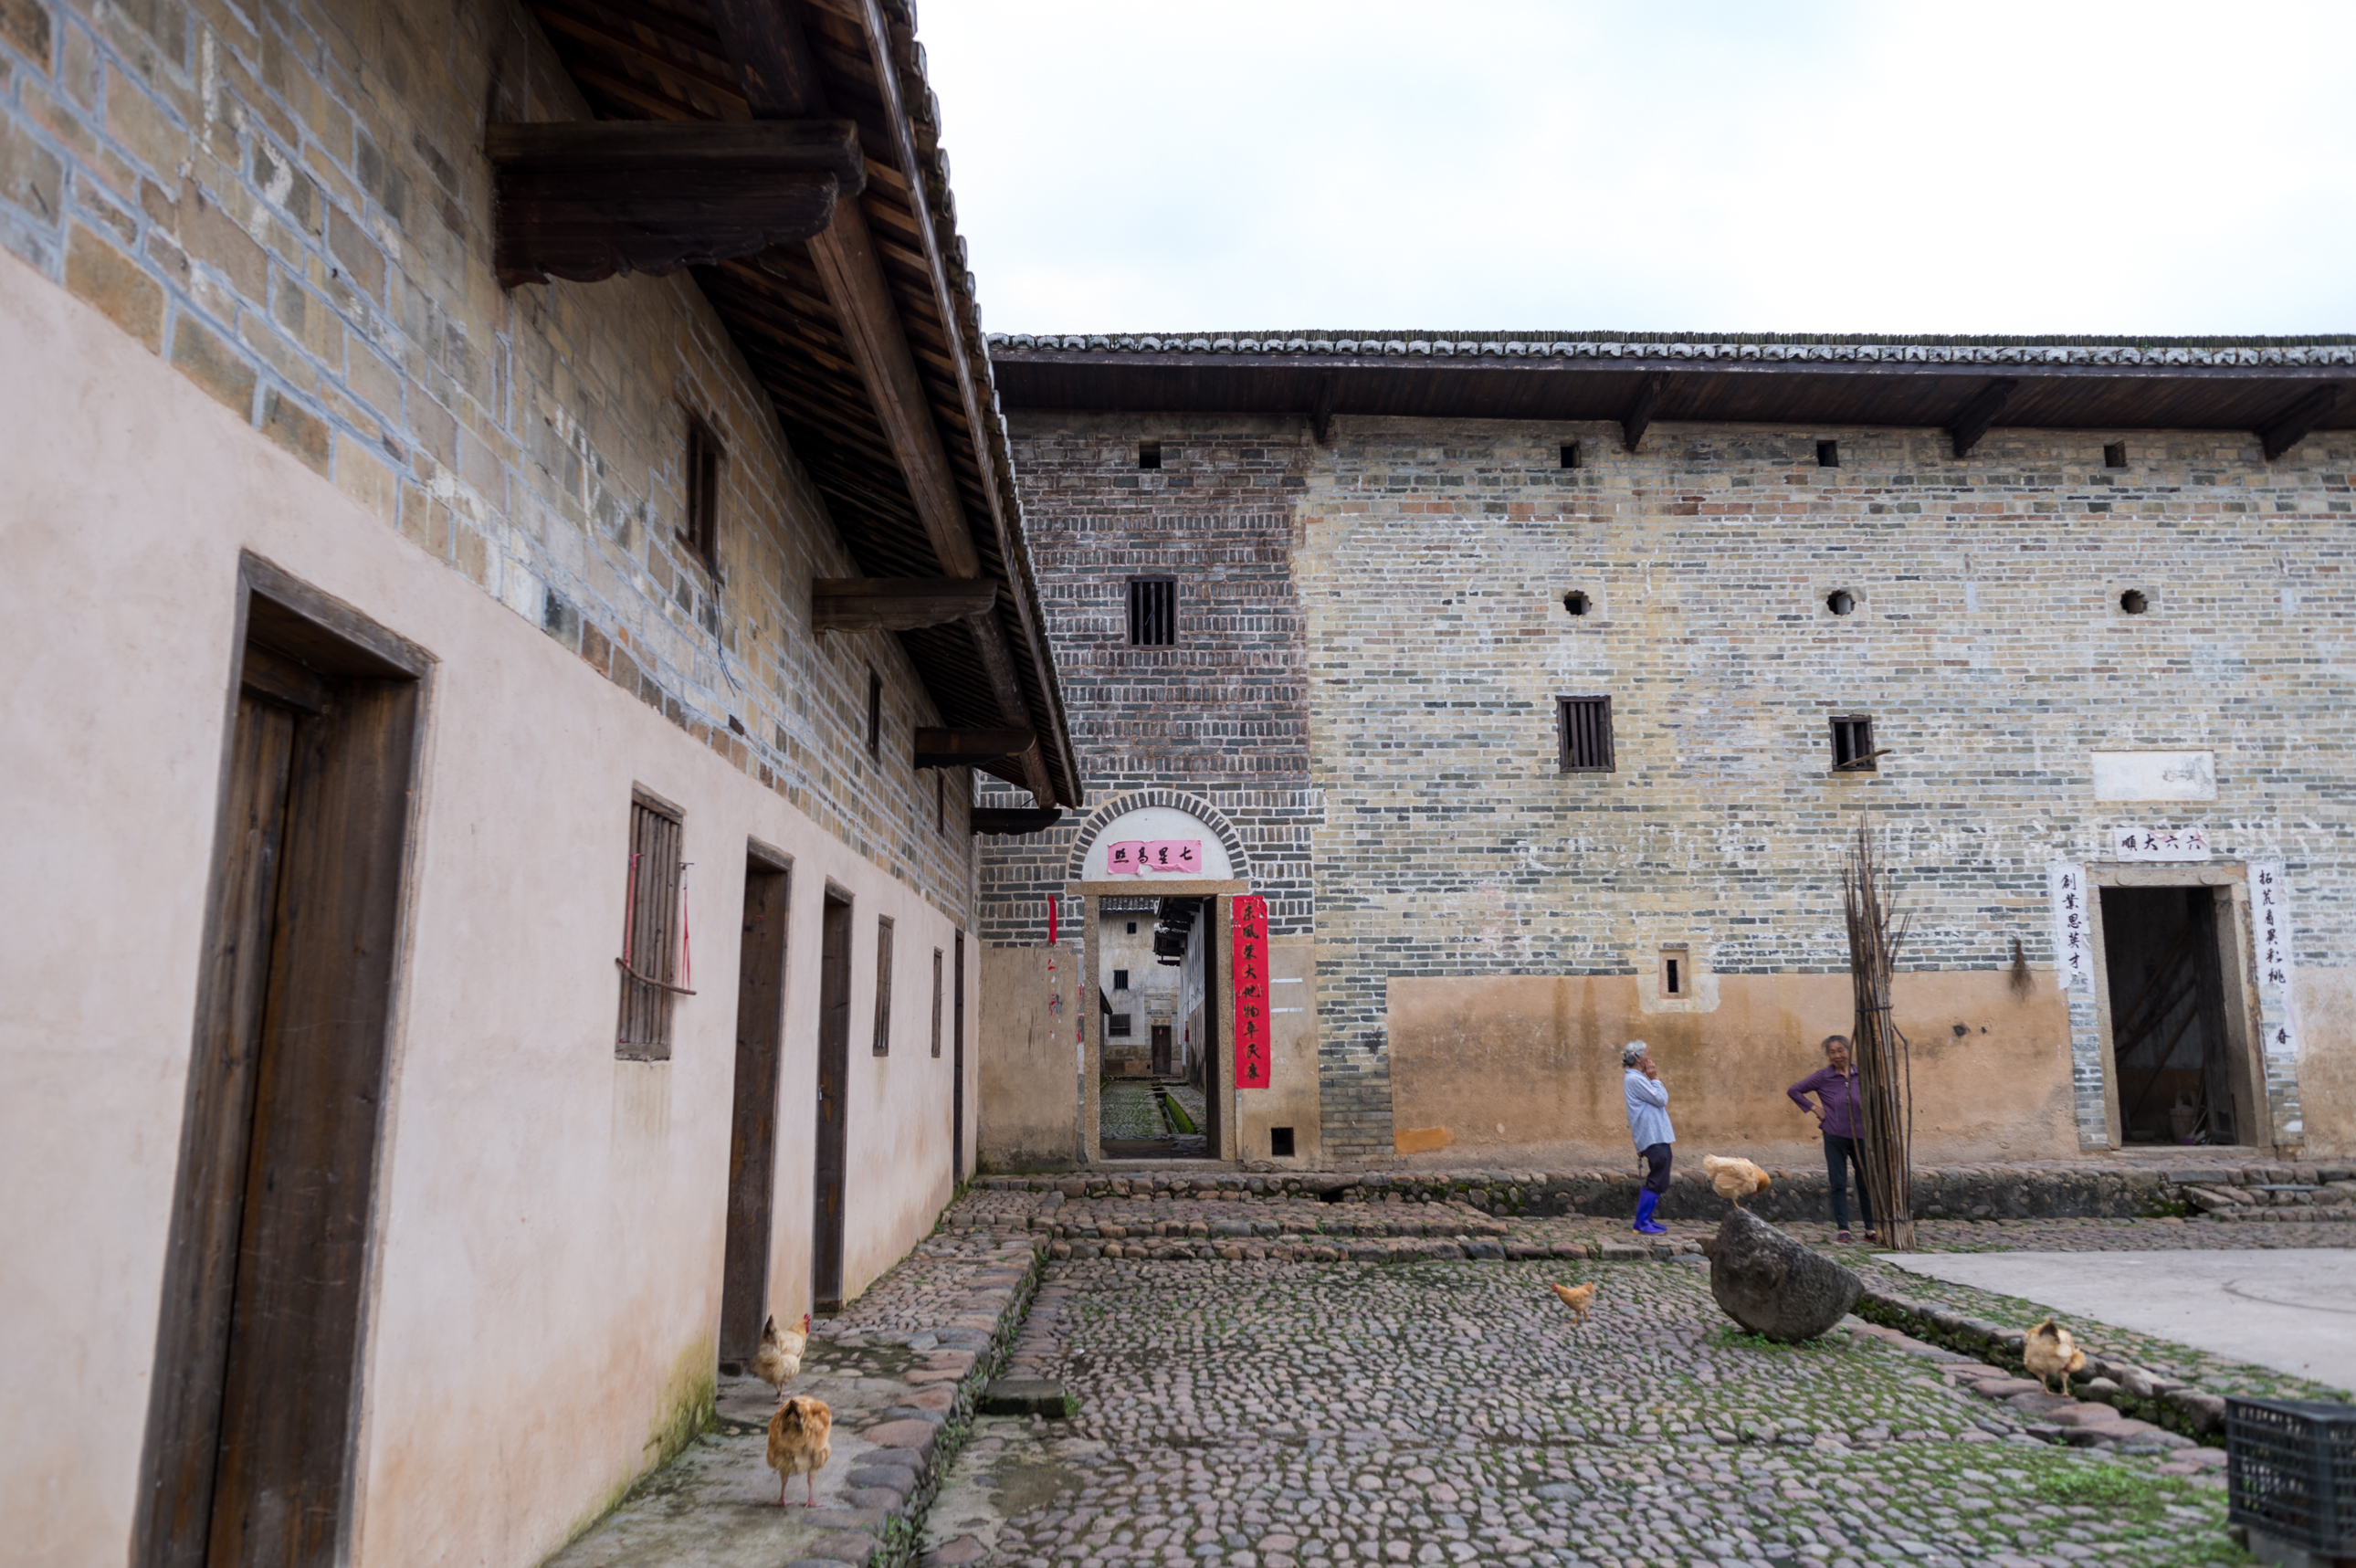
2041, 168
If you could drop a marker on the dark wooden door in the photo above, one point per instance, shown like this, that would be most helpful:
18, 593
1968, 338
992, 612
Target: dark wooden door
832, 1143
250, 1417
753, 1136
957, 1068
1161, 1050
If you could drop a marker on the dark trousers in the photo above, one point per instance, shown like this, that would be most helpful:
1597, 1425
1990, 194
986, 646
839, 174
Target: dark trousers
1839, 1154
1656, 1159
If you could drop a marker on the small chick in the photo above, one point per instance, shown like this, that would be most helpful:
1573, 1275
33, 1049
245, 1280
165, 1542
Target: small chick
799, 1445
1735, 1178
779, 1359
2050, 1352
1578, 1298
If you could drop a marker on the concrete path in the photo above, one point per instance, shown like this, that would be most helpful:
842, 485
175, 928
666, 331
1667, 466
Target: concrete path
2292, 1310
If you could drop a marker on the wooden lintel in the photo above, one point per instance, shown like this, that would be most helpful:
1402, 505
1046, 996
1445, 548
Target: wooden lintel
897, 603
2288, 428
1321, 413
968, 747
586, 200
1013, 820
1971, 420
1640, 410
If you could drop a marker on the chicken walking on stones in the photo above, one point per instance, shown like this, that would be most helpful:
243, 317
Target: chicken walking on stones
2048, 1352
778, 1361
799, 1443
1578, 1298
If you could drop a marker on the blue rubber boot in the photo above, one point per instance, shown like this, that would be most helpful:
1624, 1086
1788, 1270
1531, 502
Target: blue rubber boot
1646, 1201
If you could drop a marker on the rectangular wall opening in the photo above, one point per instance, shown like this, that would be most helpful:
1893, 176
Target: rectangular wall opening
250, 1415
831, 1146
2179, 1069
1152, 1010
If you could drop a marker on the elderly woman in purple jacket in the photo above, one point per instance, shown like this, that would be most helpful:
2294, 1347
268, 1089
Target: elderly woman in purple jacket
1836, 1111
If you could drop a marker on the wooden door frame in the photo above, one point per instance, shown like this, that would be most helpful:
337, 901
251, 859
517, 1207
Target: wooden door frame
1218, 1064
365, 940
747, 1256
2237, 965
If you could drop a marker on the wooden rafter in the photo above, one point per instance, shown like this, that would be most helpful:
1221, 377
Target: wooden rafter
1971, 420
897, 603
1633, 423
2288, 428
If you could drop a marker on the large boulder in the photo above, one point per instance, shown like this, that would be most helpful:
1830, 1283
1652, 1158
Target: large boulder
1773, 1286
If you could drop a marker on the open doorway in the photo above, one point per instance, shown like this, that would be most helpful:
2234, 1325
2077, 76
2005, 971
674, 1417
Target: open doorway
258, 1353
833, 1144
2179, 1068
1153, 956
752, 1128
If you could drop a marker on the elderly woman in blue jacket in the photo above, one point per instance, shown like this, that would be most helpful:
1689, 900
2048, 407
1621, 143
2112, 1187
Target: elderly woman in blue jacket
1648, 1124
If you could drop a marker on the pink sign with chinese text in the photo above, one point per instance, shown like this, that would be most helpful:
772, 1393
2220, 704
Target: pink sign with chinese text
1132, 857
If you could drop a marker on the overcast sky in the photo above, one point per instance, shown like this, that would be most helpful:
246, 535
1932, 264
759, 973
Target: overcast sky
1491, 164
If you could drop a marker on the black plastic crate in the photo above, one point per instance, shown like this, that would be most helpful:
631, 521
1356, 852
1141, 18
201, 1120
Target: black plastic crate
2291, 1471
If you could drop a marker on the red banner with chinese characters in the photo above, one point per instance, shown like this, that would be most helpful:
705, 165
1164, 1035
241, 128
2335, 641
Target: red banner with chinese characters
1249, 919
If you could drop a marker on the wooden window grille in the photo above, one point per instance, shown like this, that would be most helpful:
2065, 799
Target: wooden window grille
652, 930
936, 1001
883, 985
1853, 745
1117, 1026
1584, 733
1121, 976
875, 717
1152, 612
705, 456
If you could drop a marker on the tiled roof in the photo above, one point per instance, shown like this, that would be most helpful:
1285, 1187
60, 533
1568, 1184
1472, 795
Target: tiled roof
2327, 350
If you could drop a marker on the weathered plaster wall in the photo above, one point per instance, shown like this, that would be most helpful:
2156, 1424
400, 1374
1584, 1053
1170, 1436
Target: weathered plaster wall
1532, 1063
548, 1234
2325, 1007
1029, 1071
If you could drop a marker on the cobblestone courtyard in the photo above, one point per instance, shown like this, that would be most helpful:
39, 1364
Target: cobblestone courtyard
1271, 1414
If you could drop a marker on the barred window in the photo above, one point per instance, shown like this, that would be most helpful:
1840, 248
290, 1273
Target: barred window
1584, 734
1152, 612
704, 457
883, 986
1853, 745
1117, 1026
650, 934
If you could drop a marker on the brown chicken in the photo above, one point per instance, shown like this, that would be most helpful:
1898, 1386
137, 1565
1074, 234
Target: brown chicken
1578, 1298
2048, 1351
798, 1442
779, 1359
1734, 1179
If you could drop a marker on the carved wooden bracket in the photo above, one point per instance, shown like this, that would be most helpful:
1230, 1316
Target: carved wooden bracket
588, 198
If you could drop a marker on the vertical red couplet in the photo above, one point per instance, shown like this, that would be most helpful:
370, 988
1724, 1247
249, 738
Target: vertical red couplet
1249, 918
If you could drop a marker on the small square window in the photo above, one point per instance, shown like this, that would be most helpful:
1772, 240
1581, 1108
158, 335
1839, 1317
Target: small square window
1853, 745
1152, 612
1570, 454
1121, 976
1675, 975
701, 527
1117, 1026
1132, 928
1149, 454
2114, 454
1583, 726
1828, 453
1280, 1143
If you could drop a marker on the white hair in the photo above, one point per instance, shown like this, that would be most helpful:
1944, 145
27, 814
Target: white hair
1632, 1052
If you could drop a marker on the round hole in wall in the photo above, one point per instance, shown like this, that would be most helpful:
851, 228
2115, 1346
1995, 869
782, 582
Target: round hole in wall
1841, 601
2134, 602
1575, 602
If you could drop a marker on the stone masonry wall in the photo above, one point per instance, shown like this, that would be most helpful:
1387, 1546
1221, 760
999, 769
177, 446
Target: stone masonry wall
289, 204
1223, 716
1987, 642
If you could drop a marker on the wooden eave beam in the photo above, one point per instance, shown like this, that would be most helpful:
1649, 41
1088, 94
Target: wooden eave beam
968, 747
588, 198
1013, 821
782, 80
1639, 416
897, 603
1971, 420
1321, 410
2291, 427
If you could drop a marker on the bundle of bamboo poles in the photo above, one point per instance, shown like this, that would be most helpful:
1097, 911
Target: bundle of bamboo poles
1885, 1082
